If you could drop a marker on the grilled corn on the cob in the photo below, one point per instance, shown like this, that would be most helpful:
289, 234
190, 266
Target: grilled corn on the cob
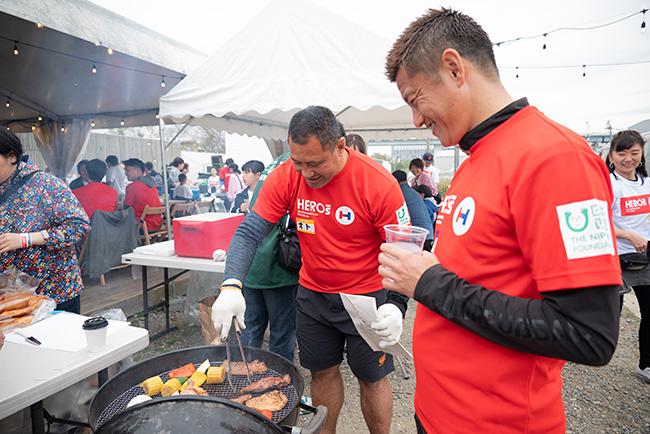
216, 375
152, 386
171, 386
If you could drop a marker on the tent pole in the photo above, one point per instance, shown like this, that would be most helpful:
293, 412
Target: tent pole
165, 180
180, 131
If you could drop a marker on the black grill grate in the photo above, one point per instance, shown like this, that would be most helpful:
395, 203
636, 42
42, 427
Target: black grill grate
222, 390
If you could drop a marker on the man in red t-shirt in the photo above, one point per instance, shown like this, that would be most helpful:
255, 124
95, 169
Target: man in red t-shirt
96, 195
141, 192
224, 174
340, 201
524, 273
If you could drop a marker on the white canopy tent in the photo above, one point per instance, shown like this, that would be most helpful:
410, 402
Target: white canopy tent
293, 54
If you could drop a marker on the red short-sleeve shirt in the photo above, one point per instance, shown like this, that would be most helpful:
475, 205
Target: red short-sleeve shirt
138, 195
340, 225
96, 196
527, 212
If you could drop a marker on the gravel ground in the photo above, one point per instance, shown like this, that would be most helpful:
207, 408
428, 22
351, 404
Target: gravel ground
607, 399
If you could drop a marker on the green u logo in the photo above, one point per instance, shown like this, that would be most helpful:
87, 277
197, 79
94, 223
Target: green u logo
585, 214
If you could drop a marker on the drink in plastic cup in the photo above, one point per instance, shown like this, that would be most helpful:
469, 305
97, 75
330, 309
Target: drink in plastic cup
95, 329
409, 238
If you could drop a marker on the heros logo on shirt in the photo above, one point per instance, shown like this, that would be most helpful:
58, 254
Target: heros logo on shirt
585, 228
310, 207
635, 205
403, 216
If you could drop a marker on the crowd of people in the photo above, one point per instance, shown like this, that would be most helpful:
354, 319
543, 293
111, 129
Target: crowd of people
509, 287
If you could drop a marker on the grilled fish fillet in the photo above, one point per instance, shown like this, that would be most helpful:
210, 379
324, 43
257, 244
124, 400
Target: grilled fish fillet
238, 368
267, 383
274, 401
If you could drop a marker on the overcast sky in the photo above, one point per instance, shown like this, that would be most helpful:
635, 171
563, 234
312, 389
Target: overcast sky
552, 79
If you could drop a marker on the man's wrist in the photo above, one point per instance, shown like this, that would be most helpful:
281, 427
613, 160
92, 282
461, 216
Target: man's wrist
232, 284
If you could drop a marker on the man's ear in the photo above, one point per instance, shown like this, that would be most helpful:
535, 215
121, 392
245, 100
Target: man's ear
452, 66
340, 145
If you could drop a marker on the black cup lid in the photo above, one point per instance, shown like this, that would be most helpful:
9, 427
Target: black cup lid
95, 323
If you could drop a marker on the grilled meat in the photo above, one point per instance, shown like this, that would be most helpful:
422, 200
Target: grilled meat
274, 401
191, 389
238, 368
242, 399
267, 383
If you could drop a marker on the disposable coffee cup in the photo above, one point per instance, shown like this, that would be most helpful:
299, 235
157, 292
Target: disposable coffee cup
409, 238
95, 329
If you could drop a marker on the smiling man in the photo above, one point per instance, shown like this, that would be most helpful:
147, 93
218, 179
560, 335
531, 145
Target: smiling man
340, 200
524, 273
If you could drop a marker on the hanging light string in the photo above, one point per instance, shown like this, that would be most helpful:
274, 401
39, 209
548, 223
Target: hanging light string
90, 61
543, 35
32, 122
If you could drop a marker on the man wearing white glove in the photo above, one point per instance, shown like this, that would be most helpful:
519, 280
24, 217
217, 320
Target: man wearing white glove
389, 326
340, 201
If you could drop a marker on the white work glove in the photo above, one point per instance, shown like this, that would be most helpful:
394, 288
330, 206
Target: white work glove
229, 303
389, 326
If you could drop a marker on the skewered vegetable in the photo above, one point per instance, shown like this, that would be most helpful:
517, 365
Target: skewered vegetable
152, 386
172, 385
216, 375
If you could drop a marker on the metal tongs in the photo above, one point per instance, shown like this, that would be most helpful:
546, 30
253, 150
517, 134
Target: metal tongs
243, 356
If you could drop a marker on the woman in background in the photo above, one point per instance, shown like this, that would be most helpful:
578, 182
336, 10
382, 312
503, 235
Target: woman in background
357, 143
629, 178
252, 171
235, 183
40, 223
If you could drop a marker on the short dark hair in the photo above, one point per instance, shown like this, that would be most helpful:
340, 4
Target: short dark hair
254, 166
318, 122
177, 162
234, 168
148, 165
181, 178
9, 143
112, 160
96, 170
400, 175
417, 162
423, 189
419, 48
229, 161
81, 164
622, 141
357, 140
134, 162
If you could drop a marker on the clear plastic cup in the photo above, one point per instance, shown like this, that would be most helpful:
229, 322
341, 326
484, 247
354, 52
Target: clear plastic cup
409, 238
95, 330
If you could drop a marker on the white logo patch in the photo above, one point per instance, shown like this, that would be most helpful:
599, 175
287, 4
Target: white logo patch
403, 216
344, 215
585, 229
463, 216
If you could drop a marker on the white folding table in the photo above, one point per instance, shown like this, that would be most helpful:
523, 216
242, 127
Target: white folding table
33, 373
161, 255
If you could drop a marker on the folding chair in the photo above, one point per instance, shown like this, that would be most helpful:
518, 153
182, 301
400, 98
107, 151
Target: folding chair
203, 206
153, 235
182, 209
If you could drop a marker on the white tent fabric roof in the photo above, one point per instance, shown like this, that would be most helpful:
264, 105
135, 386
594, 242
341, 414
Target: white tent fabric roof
291, 55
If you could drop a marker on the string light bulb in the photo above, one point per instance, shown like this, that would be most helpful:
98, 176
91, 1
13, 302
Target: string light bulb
94, 68
110, 51
162, 83
63, 129
7, 127
15, 48
40, 118
122, 122
92, 122
643, 21
544, 47
39, 25
7, 104
33, 127
156, 115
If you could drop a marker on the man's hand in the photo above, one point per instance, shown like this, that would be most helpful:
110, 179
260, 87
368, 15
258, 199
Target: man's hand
402, 270
229, 303
9, 242
389, 326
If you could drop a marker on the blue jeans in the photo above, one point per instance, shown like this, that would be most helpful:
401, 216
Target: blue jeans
277, 307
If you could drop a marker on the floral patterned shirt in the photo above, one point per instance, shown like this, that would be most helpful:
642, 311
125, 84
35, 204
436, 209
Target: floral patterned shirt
45, 202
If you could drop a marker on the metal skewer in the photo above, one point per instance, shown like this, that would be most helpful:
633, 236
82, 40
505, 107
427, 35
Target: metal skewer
229, 360
241, 349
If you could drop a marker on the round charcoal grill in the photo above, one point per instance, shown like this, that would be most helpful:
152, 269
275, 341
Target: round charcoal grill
111, 400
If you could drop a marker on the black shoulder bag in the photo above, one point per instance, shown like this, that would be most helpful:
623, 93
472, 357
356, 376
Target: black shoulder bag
634, 261
289, 254
7, 194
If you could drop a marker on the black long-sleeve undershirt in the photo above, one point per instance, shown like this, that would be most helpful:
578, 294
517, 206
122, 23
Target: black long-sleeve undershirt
579, 325
249, 235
